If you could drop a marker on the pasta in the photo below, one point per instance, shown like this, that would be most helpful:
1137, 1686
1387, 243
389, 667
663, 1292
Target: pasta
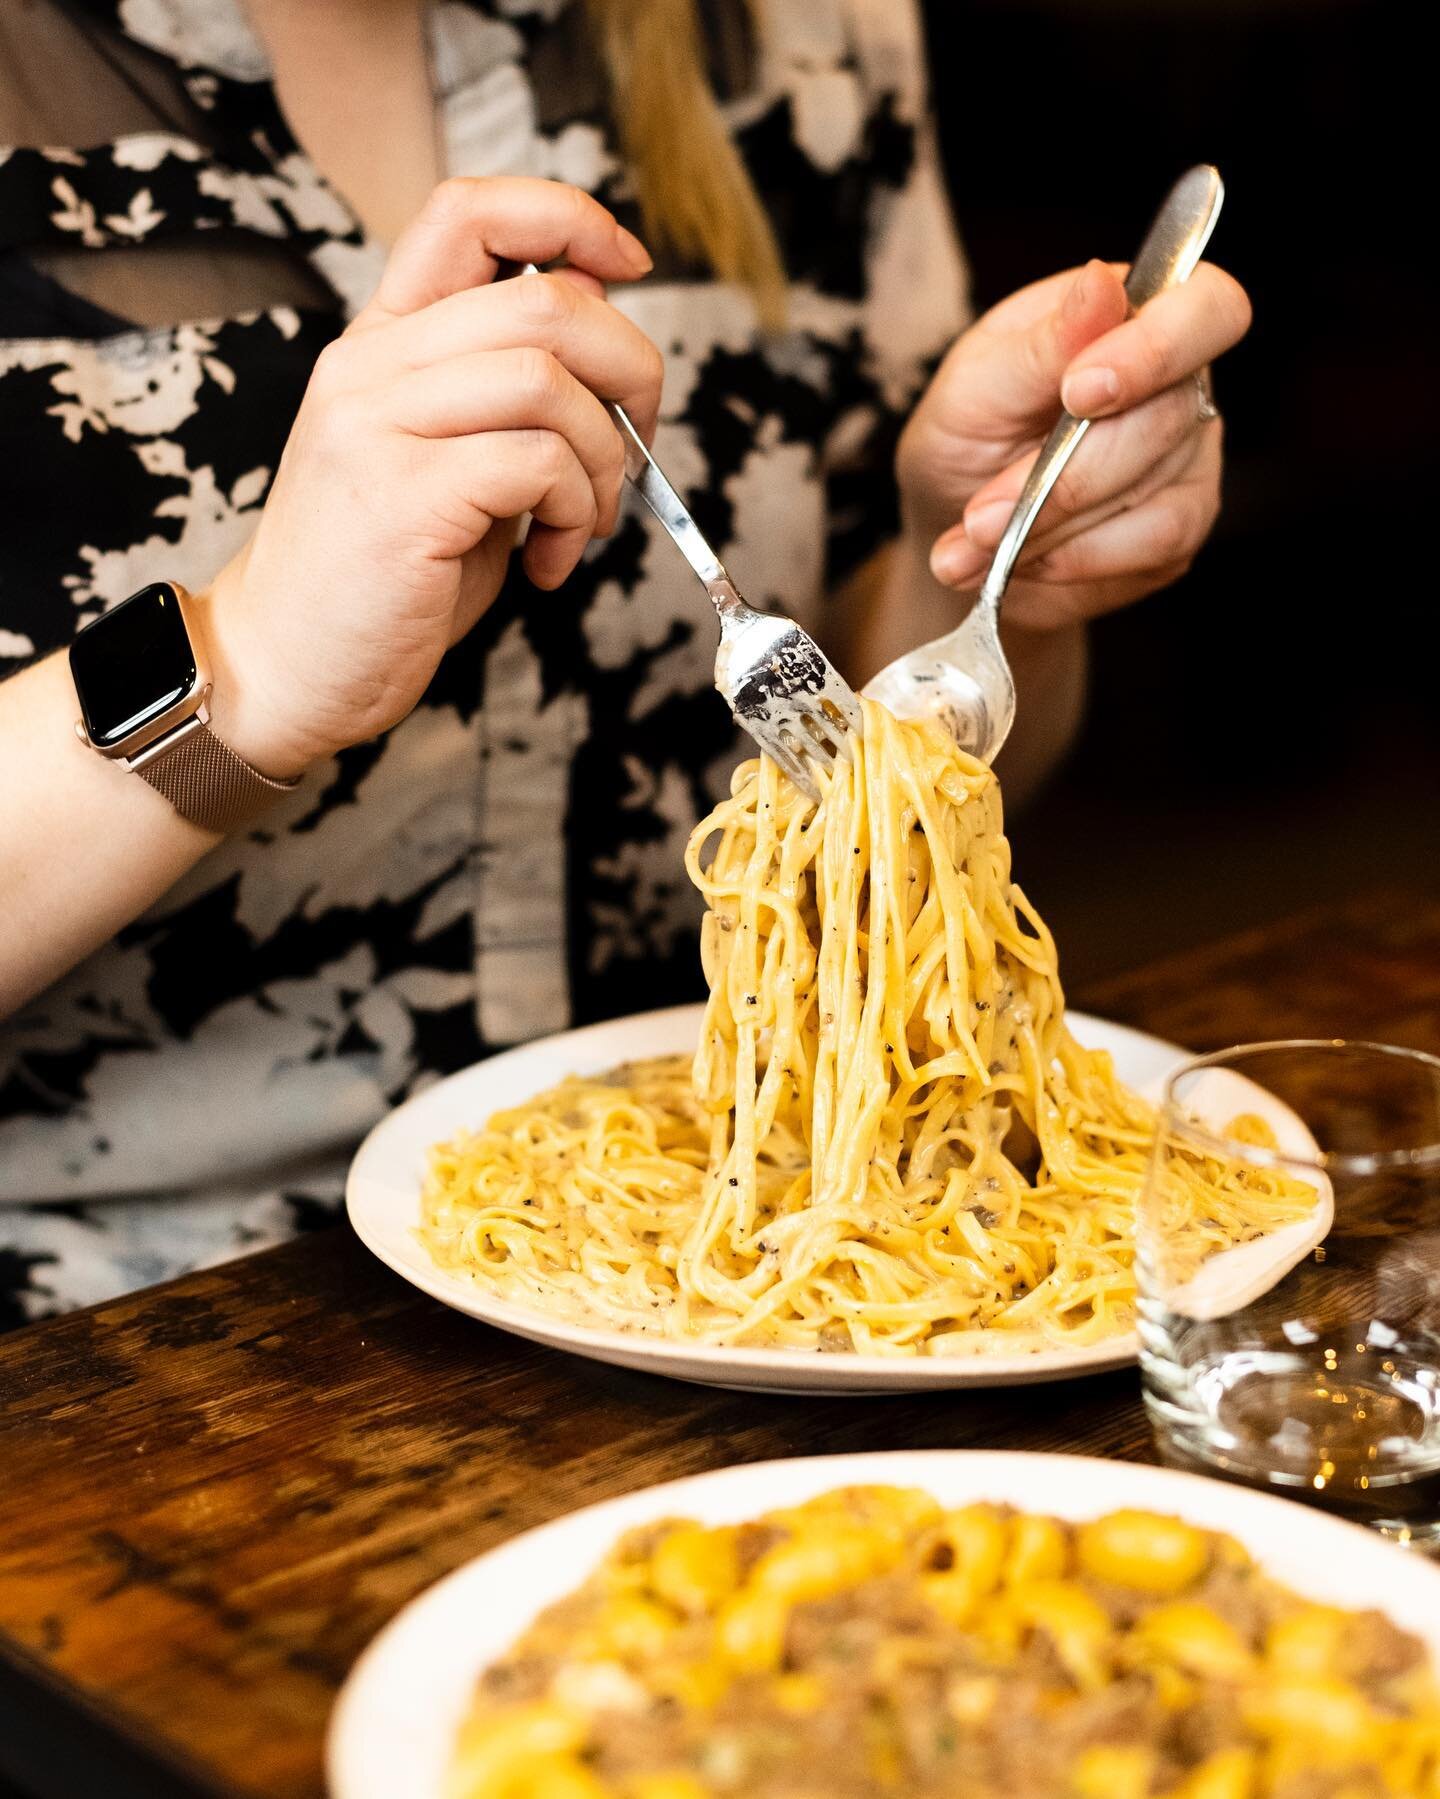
888, 1141
869, 1642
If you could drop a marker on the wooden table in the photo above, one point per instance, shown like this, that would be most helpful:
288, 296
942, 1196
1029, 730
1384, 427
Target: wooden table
214, 1493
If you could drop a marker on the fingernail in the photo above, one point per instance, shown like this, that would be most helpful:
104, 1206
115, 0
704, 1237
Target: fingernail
634, 250
955, 559
1088, 390
988, 522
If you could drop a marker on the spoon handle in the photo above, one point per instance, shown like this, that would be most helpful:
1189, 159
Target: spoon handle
1173, 245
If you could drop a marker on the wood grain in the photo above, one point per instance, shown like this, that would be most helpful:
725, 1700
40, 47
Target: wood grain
214, 1493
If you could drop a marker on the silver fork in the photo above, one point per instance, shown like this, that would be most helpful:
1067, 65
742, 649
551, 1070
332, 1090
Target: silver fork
779, 684
962, 679
775, 678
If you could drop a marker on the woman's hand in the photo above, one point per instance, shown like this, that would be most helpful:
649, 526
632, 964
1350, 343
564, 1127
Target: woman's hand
450, 407
1135, 504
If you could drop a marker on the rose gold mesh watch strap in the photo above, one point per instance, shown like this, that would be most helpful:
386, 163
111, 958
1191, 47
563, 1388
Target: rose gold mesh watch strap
204, 780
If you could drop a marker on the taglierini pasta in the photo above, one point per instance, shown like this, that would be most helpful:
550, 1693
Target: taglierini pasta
887, 1141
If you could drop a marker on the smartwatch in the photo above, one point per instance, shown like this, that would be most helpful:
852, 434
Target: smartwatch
144, 690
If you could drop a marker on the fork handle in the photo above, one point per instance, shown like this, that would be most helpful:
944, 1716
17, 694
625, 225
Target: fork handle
648, 479
1173, 245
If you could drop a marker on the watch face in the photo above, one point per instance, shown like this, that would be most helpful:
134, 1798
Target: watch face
131, 664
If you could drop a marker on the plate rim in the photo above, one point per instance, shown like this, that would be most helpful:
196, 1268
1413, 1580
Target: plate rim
1219, 1505
839, 1375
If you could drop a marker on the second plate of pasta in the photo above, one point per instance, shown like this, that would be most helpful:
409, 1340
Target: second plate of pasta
871, 1700
387, 1179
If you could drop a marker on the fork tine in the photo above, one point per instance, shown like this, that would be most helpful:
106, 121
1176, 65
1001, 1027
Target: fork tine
788, 760
831, 739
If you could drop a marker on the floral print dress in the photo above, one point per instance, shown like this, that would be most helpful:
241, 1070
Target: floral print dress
506, 862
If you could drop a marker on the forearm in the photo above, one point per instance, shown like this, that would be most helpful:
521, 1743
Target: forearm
895, 604
85, 846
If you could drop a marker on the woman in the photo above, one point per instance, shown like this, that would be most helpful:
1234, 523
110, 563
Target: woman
491, 784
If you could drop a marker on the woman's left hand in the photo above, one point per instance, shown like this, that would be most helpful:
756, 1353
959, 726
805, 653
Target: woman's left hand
1128, 514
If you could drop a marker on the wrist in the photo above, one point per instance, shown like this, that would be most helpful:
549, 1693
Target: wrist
921, 522
936, 477
248, 705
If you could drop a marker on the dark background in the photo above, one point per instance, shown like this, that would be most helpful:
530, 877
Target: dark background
1267, 732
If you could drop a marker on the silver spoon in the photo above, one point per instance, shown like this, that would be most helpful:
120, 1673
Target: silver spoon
963, 678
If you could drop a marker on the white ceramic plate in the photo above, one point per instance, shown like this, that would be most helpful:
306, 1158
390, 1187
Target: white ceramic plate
383, 1196
395, 1722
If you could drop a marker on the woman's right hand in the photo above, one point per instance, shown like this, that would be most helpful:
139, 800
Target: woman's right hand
450, 407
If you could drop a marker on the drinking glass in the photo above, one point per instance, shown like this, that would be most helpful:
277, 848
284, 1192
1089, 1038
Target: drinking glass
1288, 1267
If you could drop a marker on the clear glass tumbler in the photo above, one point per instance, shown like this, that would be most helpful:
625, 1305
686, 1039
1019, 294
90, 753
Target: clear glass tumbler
1288, 1265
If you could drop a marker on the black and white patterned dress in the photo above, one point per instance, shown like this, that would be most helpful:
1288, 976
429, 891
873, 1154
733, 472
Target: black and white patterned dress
508, 861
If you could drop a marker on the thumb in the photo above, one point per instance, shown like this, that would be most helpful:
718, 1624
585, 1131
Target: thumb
1020, 377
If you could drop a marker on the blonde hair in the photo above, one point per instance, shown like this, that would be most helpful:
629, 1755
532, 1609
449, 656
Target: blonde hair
694, 190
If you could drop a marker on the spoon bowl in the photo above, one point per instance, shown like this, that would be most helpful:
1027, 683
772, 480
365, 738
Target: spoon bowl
969, 689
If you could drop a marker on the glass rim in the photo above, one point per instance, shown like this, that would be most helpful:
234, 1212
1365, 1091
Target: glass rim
1422, 1156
